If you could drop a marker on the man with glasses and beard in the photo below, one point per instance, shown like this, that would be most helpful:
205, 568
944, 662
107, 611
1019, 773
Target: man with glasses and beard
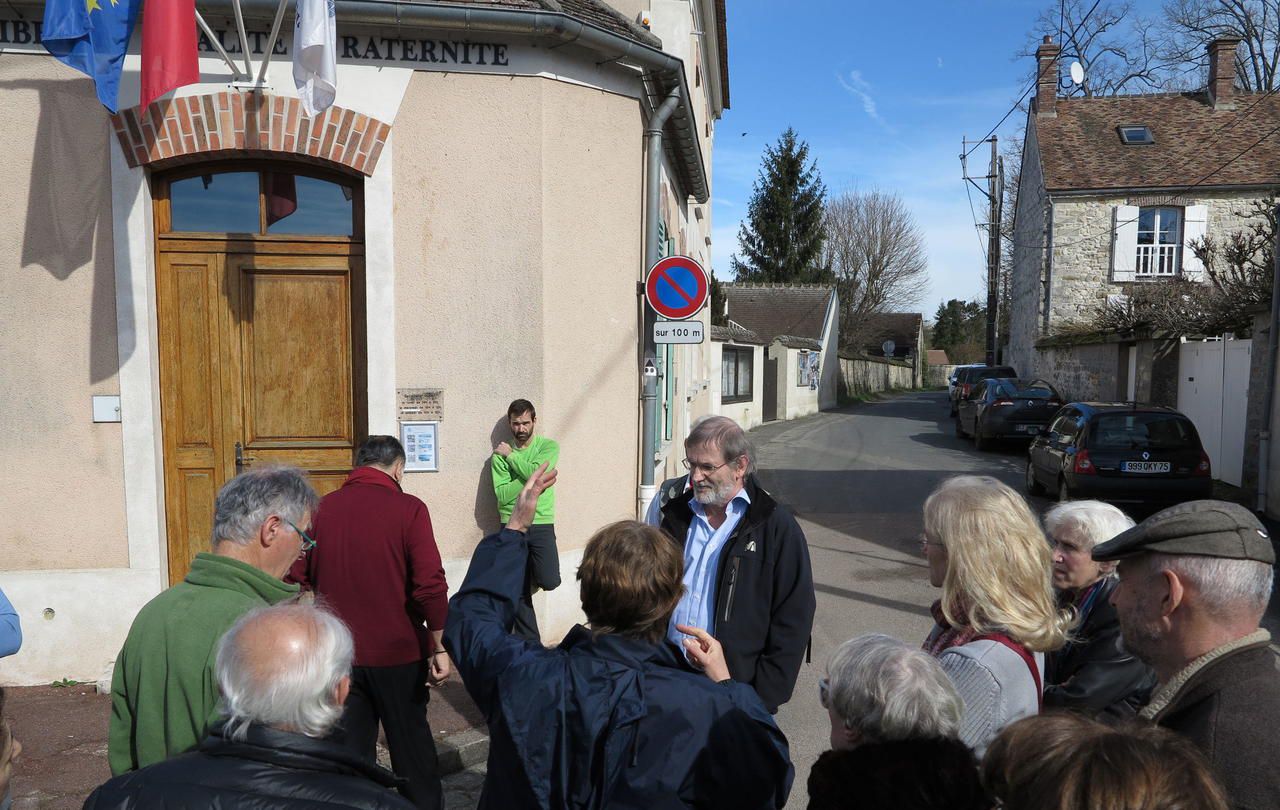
747, 576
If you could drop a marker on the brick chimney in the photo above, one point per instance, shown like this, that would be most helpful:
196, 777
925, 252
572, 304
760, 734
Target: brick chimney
1047, 78
1222, 72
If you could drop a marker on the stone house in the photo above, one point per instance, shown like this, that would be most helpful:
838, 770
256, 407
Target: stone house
1112, 192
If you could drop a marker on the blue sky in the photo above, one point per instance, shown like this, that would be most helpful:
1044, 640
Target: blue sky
883, 92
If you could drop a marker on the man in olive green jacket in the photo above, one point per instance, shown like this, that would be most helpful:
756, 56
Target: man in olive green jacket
164, 696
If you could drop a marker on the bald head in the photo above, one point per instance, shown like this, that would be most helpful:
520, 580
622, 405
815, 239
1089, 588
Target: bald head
285, 667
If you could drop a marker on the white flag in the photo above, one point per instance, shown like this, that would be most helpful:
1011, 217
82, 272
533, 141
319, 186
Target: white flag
315, 55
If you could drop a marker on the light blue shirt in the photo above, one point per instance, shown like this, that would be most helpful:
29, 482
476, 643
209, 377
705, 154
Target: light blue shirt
702, 549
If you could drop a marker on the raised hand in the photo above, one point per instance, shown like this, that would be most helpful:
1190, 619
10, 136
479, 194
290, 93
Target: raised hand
527, 501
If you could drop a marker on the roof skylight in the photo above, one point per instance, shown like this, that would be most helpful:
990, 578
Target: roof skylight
1135, 134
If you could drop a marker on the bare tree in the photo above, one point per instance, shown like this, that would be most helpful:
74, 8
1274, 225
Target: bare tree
877, 254
1190, 25
1120, 51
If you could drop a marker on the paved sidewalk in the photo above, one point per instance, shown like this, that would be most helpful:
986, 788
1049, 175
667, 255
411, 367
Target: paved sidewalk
64, 742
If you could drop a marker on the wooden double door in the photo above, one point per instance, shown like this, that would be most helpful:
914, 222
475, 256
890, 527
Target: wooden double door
261, 361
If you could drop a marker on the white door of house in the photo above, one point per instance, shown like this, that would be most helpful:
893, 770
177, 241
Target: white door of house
1213, 391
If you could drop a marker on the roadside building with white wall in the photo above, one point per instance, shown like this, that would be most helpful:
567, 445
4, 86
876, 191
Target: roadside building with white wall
800, 326
467, 227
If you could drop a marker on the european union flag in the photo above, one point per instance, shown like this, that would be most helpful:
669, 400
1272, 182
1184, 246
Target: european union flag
92, 37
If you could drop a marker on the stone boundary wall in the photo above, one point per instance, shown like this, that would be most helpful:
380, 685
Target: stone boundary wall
236, 124
863, 375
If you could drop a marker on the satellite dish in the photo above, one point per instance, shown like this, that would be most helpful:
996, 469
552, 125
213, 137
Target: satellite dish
1077, 73
888, 346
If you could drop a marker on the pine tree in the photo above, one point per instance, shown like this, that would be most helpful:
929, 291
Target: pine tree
781, 241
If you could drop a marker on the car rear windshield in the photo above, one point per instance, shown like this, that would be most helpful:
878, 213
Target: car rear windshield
1021, 390
1140, 431
988, 372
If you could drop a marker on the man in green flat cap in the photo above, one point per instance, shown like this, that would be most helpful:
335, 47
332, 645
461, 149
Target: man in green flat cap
1195, 580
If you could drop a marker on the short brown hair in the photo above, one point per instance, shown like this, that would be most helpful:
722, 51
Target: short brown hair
632, 577
1069, 762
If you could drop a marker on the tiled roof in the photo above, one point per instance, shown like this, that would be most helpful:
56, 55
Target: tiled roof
770, 310
1080, 149
937, 357
903, 328
793, 342
596, 12
735, 333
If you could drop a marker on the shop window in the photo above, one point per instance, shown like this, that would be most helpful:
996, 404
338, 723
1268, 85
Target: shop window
736, 373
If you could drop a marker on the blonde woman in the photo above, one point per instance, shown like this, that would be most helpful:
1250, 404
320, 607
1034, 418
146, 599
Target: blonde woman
997, 616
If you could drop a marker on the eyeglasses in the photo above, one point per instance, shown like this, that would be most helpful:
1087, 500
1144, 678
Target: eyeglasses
307, 542
705, 469
925, 542
824, 692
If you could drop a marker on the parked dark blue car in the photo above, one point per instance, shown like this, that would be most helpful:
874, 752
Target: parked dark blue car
1120, 453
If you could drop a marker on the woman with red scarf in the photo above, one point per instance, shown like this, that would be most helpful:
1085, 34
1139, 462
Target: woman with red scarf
1092, 673
997, 616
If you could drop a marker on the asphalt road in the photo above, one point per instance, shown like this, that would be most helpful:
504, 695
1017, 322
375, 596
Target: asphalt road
857, 479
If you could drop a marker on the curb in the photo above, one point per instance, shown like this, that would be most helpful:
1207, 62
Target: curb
455, 752
460, 751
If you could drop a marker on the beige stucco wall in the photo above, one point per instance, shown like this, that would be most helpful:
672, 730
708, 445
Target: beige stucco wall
61, 474
794, 400
539, 303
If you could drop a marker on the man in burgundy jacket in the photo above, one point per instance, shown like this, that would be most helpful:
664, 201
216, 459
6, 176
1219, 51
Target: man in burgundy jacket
375, 564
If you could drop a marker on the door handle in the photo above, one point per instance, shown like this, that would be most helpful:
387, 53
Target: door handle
242, 459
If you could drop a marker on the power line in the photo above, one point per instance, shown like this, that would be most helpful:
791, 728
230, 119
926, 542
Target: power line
976, 227
1035, 81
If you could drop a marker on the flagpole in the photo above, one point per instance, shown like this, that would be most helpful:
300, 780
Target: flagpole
217, 46
271, 41
244, 38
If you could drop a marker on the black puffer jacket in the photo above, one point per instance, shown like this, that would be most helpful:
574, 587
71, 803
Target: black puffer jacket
1094, 674
270, 770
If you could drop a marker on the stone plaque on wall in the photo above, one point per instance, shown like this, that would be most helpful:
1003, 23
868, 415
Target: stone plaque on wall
420, 404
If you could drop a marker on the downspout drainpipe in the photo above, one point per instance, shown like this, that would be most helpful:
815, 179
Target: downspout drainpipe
652, 252
1273, 341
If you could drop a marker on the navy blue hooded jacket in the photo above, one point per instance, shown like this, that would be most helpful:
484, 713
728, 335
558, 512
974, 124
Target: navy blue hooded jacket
602, 720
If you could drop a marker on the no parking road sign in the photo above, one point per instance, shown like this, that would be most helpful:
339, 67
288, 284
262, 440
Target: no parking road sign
676, 288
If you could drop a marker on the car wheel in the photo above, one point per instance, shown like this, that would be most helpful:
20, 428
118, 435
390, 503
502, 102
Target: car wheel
1064, 492
1034, 487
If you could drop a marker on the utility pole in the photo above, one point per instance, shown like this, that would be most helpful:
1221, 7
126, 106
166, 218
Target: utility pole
996, 184
995, 199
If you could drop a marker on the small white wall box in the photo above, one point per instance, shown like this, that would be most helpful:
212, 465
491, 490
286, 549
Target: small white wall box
106, 408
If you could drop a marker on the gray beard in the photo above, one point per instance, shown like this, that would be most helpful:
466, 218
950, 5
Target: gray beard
714, 496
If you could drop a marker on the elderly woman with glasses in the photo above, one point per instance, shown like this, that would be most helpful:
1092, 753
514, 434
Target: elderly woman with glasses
1092, 673
997, 616
895, 718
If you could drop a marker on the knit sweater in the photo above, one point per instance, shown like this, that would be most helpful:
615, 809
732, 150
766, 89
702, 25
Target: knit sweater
996, 686
510, 473
164, 697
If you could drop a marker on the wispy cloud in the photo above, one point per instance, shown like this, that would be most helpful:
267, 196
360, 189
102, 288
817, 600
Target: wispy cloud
860, 88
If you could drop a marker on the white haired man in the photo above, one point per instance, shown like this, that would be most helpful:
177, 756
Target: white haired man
164, 697
1195, 580
284, 672
747, 576
895, 732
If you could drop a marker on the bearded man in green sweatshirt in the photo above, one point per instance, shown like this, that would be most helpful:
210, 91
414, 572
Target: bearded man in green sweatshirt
513, 465
164, 695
